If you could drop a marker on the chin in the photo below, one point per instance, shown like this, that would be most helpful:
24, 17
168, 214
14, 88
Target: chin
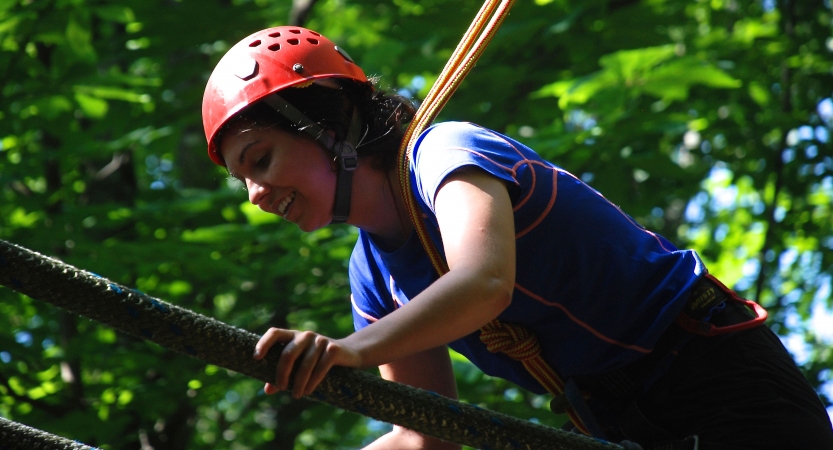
308, 227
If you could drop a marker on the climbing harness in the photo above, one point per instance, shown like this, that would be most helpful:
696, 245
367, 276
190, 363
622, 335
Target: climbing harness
512, 339
614, 392
217, 343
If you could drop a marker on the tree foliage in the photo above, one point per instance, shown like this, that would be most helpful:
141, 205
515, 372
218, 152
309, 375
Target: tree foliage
708, 121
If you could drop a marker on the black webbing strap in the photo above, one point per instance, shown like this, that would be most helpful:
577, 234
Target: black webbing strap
299, 119
347, 160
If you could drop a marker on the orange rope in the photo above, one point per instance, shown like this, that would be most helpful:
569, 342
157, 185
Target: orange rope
514, 340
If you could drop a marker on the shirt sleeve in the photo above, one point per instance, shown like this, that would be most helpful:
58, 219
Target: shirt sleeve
446, 147
370, 298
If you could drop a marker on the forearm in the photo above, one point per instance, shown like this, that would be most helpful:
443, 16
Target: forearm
475, 215
457, 304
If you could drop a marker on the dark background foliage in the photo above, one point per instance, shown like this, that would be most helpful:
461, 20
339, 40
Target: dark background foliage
708, 121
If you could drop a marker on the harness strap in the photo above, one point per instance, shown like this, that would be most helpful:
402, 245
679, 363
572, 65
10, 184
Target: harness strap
709, 292
615, 390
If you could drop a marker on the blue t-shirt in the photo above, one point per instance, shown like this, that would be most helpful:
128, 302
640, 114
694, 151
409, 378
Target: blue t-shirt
595, 287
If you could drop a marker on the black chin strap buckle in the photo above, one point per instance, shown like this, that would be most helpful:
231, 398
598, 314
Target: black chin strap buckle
347, 160
347, 157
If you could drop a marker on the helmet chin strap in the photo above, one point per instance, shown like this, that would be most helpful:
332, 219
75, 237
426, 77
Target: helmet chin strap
345, 151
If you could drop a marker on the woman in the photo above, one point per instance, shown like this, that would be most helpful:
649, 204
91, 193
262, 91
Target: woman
610, 303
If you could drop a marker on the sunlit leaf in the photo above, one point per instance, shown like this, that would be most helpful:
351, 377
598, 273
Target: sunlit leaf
79, 39
93, 107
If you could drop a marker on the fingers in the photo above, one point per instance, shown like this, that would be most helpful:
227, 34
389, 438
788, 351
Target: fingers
310, 362
325, 363
269, 339
311, 355
296, 348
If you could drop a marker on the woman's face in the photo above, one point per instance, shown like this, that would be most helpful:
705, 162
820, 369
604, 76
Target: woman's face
287, 174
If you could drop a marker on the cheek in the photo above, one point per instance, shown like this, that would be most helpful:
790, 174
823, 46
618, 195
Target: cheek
320, 173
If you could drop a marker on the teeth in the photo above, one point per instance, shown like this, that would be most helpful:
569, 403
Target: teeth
284, 204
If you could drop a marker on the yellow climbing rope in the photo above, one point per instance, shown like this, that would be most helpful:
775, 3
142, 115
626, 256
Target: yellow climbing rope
516, 341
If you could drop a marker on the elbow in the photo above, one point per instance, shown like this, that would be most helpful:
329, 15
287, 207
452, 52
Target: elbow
499, 290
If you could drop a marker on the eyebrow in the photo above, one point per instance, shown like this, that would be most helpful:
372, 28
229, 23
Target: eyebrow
242, 159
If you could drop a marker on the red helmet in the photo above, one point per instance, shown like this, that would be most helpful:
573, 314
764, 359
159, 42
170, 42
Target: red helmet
264, 63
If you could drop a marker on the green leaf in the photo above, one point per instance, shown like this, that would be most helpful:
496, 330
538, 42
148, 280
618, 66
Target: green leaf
92, 107
9, 24
759, 93
113, 93
20, 218
748, 29
52, 106
114, 13
256, 216
673, 80
79, 39
628, 64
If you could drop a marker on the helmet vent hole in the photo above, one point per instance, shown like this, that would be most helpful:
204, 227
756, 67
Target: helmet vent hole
312, 41
255, 43
295, 31
274, 47
314, 33
293, 41
275, 34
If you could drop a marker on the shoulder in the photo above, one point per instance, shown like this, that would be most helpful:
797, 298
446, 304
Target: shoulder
456, 143
455, 134
449, 146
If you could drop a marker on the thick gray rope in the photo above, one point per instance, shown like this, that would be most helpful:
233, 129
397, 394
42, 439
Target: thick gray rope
14, 436
217, 343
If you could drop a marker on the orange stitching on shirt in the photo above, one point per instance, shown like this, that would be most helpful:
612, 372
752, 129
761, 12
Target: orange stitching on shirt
581, 323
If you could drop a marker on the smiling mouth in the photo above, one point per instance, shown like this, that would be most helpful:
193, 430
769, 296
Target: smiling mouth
284, 205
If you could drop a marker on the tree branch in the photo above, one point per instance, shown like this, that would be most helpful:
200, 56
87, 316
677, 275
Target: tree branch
300, 11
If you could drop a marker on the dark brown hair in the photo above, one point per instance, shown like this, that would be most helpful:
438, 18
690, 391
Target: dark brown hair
383, 115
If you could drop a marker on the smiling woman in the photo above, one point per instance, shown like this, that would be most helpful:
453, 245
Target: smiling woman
542, 267
285, 173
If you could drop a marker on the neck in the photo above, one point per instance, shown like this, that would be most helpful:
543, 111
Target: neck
379, 207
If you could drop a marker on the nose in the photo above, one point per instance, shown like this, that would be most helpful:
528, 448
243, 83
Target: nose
257, 192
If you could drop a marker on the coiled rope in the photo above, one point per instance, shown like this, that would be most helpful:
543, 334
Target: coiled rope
512, 339
215, 342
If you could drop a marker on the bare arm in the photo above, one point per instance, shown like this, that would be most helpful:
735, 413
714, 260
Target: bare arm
477, 225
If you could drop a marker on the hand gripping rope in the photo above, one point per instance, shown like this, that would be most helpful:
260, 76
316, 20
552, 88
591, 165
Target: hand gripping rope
512, 339
215, 342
